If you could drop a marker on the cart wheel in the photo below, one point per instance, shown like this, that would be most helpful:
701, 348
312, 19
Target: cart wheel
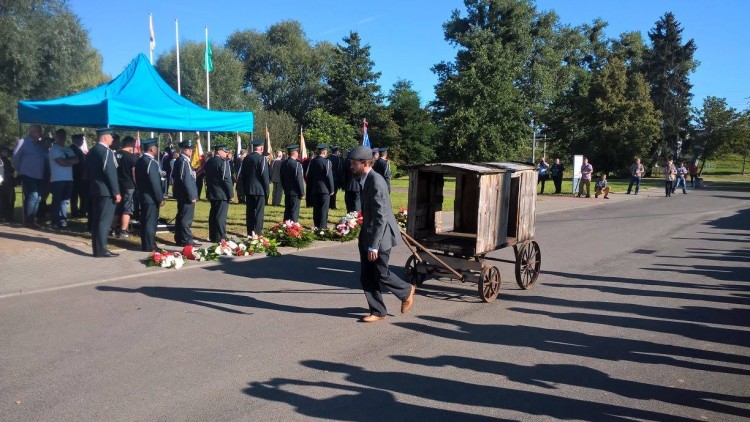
411, 274
489, 284
528, 263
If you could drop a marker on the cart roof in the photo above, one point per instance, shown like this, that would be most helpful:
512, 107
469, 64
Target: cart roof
511, 165
458, 168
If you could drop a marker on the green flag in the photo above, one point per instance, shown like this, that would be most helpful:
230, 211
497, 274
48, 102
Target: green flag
208, 58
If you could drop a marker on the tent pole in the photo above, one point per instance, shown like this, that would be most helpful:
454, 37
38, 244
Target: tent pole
177, 51
208, 96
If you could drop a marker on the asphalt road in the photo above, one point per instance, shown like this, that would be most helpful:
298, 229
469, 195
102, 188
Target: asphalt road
641, 313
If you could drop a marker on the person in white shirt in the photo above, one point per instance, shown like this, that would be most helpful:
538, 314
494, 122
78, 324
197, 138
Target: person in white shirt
61, 162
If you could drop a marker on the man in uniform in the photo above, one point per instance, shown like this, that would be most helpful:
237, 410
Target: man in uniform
239, 156
104, 191
375, 154
185, 191
150, 194
255, 180
351, 187
292, 183
276, 179
320, 187
79, 197
378, 235
219, 191
337, 171
383, 167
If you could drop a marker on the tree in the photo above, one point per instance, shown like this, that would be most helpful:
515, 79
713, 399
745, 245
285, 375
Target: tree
282, 126
283, 67
322, 127
668, 64
717, 125
226, 80
741, 139
415, 141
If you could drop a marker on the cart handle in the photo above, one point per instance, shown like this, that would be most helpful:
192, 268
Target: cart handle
432, 255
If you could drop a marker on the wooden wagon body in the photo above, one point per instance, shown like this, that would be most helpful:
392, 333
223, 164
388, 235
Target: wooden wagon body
494, 207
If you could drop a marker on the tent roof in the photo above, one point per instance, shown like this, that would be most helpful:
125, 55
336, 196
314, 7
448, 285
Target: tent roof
138, 98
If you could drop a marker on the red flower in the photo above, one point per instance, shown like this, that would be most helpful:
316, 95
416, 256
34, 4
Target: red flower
187, 252
157, 257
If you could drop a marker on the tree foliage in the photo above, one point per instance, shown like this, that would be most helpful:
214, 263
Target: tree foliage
717, 126
282, 126
323, 127
415, 141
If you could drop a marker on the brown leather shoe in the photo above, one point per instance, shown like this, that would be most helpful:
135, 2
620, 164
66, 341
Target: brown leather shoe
406, 304
372, 318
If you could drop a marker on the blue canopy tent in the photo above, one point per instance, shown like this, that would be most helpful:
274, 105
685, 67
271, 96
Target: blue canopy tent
139, 99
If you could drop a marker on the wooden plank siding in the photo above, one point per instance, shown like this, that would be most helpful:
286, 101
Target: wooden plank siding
527, 206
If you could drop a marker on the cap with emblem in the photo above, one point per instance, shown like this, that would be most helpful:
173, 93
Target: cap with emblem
77, 137
187, 143
321, 147
104, 131
221, 148
148, 143
360, 153
257, 142
291, 148
383, 149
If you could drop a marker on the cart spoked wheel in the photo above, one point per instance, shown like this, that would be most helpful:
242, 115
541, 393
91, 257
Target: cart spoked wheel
489, 283
411, 274
528, 263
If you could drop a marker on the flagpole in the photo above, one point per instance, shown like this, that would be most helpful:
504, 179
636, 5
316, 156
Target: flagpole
208, 96
151, 43
177, 50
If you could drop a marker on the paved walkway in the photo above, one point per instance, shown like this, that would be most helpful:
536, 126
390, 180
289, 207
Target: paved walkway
38, 260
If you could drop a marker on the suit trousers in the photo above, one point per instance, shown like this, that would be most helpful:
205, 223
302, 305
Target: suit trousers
255, 208
277, 193
149, 221
374, 276
333, 200
79, 198
102, 212
184, 219
217, 221
291, 207
352, 201
321, 203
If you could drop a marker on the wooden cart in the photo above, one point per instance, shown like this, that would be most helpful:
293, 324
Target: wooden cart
494, 207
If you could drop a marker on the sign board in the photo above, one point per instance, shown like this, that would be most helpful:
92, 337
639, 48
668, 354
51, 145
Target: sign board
577, 163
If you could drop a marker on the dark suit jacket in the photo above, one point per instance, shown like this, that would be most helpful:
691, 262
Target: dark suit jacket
350, 183
383, 167
379, 227
255, 175
291, 177
183, 178
319, 177
148, 180
337, 169
218, 179
102, 171
79, 170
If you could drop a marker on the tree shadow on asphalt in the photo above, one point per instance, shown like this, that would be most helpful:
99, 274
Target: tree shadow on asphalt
43, 240
373, 397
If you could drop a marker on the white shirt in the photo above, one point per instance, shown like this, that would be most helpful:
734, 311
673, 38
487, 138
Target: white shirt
60, 173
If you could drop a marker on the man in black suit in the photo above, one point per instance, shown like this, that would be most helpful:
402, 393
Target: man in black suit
149, 193
292, 183
79, 196
378, 236
255, 181
338, 174
320, 186
351, 188
383, 167
185, 191
104, 191
219, 191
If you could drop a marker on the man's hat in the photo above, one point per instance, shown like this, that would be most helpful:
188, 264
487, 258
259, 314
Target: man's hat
335, 148
104, 131
187, 143
148, 143
291, 148
221, 147
360, 153
384, 149
77, 137
321, 147
257, 142
375, 151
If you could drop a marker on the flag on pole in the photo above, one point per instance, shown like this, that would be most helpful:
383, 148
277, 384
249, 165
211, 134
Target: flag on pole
239, 147
137, 148
365, 137
152, 43
302, 147
208, 58
196, 159
267, 145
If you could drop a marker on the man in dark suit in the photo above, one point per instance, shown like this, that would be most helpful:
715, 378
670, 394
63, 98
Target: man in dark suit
338, 175
219, 191
255, 180
150, 194
378, 235
351, 187
292, 183
104, 191
79, 196
185, 191
320, 187
383, 167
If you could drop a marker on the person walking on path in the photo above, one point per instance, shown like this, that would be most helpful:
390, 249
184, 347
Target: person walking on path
669, 172
104, 191
255, 180
586, 171
378, 236
320, 187
219, 191
636, 173
292, 183
694, 171
185, 192
681, 173
149, 193
556, 170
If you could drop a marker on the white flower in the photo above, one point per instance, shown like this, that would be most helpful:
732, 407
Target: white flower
232, 244
179, 262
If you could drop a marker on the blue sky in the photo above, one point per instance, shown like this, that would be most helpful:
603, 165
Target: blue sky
407, 38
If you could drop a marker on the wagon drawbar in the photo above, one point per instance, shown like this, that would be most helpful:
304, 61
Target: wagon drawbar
494, 207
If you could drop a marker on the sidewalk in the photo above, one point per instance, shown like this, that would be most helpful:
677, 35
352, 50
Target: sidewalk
40, 260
